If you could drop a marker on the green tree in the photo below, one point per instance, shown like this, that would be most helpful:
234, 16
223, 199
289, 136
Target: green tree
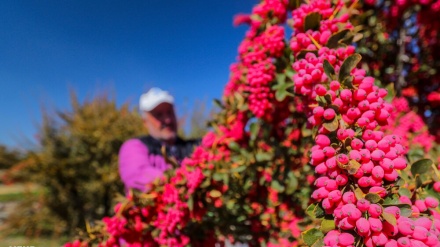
76, 162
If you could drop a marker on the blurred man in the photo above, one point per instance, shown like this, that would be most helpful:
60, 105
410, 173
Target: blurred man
140, 159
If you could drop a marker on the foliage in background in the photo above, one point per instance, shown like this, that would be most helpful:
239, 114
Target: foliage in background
8, 157
75, 165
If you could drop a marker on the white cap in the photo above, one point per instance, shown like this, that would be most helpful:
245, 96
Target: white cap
154, 97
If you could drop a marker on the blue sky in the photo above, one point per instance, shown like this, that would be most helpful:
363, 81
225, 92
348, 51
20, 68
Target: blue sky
50, 46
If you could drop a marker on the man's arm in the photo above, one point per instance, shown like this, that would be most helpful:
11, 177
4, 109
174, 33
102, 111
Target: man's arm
135, 166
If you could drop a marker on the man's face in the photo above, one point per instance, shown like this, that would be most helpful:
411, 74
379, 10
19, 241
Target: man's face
161, 122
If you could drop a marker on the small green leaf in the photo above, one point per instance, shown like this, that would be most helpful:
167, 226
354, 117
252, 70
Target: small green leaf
335, 38
372, 197
277, 186
311, 236
292, 183
348, 83
218, 103
392, 199
327, 225
280, 95
312, 21
329, 70
318, 212
261, 156
405, 192
254, 129
353, 167
215, 193
389, 218
315, 211
421, 166
348, 65
331, 126
406, 212
239, 169
234, 146
190, 203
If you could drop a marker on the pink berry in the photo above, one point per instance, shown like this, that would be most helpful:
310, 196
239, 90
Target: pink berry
349, 197
342, 159
318, 111
406, 227
377, 155
329, 151
436, 186
423, 222
420, 233
431, 202
334, 85
371, 145
346, 224
329, 114
346, 94
356, 144
363, 227
364, 182
420, 204
321, 181
346, 239
399, 163
403, 242
335, 196
375, 210
391, 243
375, 224
363, 205
379, 238
377, 172
322, 141
342, 179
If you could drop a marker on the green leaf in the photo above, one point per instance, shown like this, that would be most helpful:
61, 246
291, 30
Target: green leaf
348, 65
389, 218
277, 186
281, 94
239, 168
292, 183
254, 129
392, 199
319, 243
372, 197
405, 192
331, 126
406, 212
335, 38
312, 21
190, 203
217, 176
234, 146
215, 193
311, 209
348, 82
318, 211
353, 167
329, 70
261, 156
218, 103
311, 236
327, 225
421, 166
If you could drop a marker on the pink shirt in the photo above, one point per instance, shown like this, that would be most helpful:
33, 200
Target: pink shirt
137, 167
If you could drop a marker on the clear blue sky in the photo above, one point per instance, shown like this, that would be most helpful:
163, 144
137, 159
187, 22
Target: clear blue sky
49, 46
